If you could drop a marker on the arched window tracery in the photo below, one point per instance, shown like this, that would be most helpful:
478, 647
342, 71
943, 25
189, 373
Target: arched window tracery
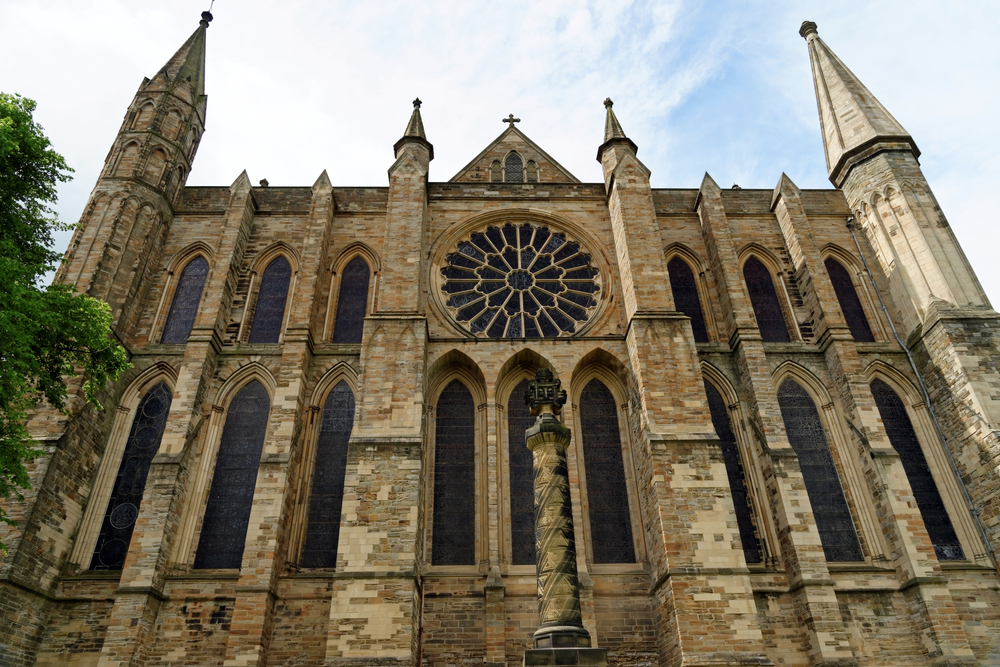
513, 167
454, 535
685, 290
850, 304
764, 298
352, 302
826, 494
187, 298
269, 315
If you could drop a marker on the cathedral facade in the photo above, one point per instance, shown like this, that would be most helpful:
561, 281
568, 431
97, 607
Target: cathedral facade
784, 409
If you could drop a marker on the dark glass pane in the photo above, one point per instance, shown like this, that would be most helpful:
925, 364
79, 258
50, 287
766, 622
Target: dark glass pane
734, 470
522, 479
327, 494
126, 494
352, 304
607, 493
904, 440
850, 304
513, 169
224, 529
826, 495
187, 297
270, 311
685, 292
454, 541
766, 306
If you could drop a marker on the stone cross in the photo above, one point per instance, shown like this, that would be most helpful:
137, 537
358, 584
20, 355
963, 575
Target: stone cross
510, 119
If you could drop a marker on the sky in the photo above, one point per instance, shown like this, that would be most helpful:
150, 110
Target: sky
296, 87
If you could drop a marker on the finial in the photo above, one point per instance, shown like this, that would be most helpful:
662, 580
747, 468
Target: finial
511, 120
206, 17
417, 103
545, 391
808, 28
608, 103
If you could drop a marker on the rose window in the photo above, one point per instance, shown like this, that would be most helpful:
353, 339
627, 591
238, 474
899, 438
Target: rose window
520, 281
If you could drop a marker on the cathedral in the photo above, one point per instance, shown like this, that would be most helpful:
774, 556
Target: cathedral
784, 409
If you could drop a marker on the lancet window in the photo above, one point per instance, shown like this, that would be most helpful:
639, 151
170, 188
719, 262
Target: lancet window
531, 172
454, 539
187, 298
903, 438
685, 291
352, 302
496, 172
269, 314
327, 495
513, 167
764, 298
734, 471
826, 495
130, 483
850, 304
522, 478
607, 492
224, 529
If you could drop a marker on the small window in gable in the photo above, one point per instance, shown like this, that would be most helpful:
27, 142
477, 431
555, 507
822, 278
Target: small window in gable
513, 169
850, 304
685, 291
144, 119
270, 311
764, 298
531, 172
352, 303
496, 172
187, 297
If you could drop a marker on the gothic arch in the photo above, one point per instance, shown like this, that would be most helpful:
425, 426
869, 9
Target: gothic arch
174, 267
858, 280
774, 267
689, 257
156, 163
257, 268
194, 509
509, 165
107, 470
336, 270
268, 254
127, 158
172, 124
145, 111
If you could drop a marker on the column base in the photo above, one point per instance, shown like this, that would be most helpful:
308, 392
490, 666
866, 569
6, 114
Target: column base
591, 657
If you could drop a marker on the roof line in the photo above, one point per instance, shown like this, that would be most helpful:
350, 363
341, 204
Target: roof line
523, 136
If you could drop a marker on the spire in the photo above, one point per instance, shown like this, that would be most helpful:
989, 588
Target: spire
188, 64
613, 132
855, 125
415, 131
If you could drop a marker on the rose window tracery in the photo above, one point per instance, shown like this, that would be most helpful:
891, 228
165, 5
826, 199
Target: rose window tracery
520, 281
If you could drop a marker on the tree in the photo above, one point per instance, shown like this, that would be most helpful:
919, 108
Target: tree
47, 334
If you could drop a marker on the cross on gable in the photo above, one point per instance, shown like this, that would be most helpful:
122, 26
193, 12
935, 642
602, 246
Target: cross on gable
511, 120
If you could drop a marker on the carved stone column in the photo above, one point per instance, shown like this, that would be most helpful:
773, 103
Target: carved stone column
561, 638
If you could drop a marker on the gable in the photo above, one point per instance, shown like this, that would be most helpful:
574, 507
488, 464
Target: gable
512, 139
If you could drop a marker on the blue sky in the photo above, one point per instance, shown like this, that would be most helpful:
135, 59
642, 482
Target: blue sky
297, 87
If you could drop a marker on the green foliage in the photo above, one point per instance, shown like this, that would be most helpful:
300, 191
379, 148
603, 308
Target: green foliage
46, 334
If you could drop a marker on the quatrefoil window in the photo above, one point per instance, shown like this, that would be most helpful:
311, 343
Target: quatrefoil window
520, 281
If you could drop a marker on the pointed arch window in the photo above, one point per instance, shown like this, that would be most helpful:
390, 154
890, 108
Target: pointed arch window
130, 483
685, 291
607, 492
903, 439
144, 119
154, 167
850, 304
187, 298
766, 306
327, 495
352, 302
734, 471
531, 172
224, 528
454, 539
513, 167
270, 312
522, 478
496, 172
126, 163
826, 495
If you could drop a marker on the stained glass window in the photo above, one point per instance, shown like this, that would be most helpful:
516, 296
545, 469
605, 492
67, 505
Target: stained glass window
826, 495
734, 470
522, 478
520, 281
607, 493
270, 311
904, 440
766, 307
352, 303
454, 541
187, 297
513, 168
224, 529
126, 494
685, 291
327, 495
850, 304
